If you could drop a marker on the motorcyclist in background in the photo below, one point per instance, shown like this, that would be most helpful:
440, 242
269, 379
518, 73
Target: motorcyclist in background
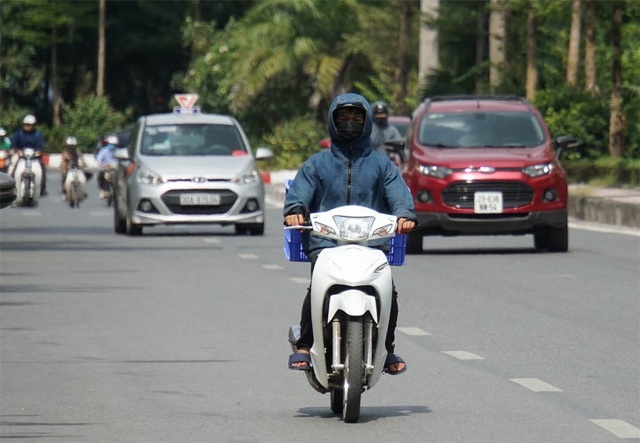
71, 158
30, 137
106, 160
382, 132
5, 151
5, 142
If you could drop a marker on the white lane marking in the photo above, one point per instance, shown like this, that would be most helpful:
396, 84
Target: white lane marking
535, 385
619, 428
211, 240
609, 229
272, 267
248, 256
412, 331
463, 355
301, 280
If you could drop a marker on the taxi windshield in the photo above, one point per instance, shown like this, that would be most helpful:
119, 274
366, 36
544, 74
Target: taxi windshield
192, 140
481, 129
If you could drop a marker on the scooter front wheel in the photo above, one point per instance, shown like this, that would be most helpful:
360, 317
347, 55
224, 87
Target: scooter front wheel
353, 370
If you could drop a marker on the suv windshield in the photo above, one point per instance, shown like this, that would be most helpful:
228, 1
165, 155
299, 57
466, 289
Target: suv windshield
480, 129
192, 140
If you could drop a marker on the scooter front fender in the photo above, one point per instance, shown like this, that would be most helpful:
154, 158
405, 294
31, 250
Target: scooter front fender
354, 303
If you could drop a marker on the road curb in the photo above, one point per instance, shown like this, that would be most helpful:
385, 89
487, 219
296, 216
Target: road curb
604, 210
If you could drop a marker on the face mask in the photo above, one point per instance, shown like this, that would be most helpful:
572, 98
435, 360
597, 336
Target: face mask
350, 130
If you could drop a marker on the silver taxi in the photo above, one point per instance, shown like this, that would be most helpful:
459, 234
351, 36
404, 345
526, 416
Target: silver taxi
188, 168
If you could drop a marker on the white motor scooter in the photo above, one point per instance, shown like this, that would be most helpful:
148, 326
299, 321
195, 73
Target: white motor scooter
351, 290
27, 173
75, 186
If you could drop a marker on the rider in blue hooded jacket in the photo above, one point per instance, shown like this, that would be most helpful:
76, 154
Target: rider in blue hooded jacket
349, 173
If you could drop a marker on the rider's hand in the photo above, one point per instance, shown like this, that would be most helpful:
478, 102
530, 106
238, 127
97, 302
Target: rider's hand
294, 219
405, 225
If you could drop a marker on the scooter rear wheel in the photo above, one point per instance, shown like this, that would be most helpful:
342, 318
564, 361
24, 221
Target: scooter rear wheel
353, 370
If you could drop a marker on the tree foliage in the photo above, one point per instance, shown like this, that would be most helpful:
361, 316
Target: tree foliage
272, 63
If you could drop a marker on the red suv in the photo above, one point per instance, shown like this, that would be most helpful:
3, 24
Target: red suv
486, 165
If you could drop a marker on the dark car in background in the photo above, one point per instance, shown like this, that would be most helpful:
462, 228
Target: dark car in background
486, 165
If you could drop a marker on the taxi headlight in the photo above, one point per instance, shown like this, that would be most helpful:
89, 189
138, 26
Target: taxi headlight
247, 178
147, 177
434, 171
539, 170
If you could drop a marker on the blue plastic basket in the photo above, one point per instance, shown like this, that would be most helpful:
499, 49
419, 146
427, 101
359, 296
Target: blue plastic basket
293, 248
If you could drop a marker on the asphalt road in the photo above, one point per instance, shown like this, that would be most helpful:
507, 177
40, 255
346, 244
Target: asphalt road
181, 336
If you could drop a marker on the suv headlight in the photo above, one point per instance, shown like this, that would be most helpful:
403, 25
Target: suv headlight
434, 171
539, 170
247, 178
147, 177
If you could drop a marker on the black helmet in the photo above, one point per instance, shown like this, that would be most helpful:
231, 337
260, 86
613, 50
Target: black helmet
380, 108
380, 113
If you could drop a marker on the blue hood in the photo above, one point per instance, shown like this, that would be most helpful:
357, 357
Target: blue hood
362, 144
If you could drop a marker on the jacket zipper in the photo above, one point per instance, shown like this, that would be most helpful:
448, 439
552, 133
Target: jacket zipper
349, 174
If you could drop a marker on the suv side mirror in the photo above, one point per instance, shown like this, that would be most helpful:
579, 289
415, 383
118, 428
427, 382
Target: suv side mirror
565, 142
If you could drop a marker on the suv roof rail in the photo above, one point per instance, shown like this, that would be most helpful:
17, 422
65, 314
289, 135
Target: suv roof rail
440, 98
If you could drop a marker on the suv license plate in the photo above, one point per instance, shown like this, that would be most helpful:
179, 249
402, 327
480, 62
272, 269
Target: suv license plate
487, 202
199, 199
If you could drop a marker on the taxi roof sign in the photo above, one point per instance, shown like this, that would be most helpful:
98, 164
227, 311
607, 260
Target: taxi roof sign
186, 102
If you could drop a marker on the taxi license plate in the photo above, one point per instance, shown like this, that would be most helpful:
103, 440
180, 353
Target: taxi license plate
199, 199
487, 202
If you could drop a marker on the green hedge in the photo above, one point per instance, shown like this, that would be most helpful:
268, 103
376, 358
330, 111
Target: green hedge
605, 171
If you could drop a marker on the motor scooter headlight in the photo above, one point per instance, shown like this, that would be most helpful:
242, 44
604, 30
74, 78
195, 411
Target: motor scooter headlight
354, 228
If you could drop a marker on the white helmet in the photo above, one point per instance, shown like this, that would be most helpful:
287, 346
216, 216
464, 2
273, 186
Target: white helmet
29, 120
112, 140
3, 132
71, 140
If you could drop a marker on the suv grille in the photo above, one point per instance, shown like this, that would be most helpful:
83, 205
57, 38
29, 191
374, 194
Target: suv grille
172, 200
514, 194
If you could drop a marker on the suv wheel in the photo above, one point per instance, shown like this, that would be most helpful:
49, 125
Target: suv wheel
414, 242
559, 239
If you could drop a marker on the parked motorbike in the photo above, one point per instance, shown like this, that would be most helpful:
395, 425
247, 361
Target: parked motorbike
351, 290
28, 176
76, 187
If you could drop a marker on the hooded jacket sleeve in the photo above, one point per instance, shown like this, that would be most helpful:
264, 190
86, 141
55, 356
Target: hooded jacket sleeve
398, 195
301, 190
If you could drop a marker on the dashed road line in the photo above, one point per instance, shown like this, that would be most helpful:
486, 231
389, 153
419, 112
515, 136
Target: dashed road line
301, 280
412, 331
248, 256
619, 428
535, 385
463, 355
272, 267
